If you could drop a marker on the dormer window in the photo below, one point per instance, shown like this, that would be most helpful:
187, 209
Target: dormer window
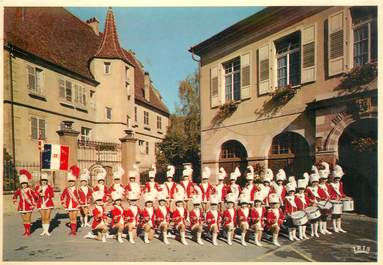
107, 68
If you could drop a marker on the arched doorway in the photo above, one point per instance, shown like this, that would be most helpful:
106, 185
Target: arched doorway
233, 154
357, 150
290, 151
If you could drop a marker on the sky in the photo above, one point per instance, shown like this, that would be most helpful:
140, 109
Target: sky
161, 37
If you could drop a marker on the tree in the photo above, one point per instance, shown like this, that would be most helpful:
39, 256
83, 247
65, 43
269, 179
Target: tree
182, 140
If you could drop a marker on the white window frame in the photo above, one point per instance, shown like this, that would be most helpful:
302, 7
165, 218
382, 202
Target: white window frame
107, 68
146, 118
80, 95
38, 119
141, 146
159, 123
38, 88
85, 137
232, 73
108, 110
355, 27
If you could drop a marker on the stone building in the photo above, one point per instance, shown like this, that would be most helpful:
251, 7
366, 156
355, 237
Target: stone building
291, 86
58, 68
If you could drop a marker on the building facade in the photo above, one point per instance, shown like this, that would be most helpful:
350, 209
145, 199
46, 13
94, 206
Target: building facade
283, 89
58, 68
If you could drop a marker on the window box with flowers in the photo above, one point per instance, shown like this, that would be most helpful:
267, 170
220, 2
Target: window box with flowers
224, 112
282, 95
359, 75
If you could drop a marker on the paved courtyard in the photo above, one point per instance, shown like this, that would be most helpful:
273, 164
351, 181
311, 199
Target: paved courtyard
362, 231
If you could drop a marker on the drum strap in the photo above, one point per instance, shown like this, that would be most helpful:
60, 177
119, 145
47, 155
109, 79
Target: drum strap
71, 195
336, 188
25, 197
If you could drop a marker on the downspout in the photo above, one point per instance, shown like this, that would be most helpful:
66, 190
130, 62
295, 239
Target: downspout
12, 110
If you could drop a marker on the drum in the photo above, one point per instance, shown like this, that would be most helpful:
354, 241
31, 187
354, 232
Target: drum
348, 204
299, 218
325, 205
312, 212
337, 207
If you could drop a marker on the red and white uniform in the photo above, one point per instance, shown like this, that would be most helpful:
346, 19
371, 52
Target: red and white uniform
85, 195
152, 187
27, 199
188, 188
290, 205
213, 217
230, 217
117, 187
117, 215
180, 215
336, 191
46, 201
195, 217
243, 216
103, 189
147, 215
302, 201
133, 186
313, 195
252, 190
70, 197
280, 190
161, 215
99, 216
132, 215
266, 191
220, 191
258, 216
274, 216
323, 191
233, 188
171, 188
207, 189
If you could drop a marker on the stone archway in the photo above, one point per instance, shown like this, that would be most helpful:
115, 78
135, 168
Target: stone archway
233, 154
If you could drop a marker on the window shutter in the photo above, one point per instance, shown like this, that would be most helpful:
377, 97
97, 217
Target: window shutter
264, 70
76, 94
61, 88
34, 128
214, 86
31, 78
336, 44
308, 72
245, 76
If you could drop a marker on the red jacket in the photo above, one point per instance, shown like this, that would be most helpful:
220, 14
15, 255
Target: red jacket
229, 189
206, 192
271, 217
253, 190
266, 199
68, 197
189, 189
146, 217
48, 196
85, 198
117, 214
131, 186
336, 191
323, 192
194, 219
282, 195
119, 187
230, 218
99, 215
241, 217
211, 219
132, 216
255, 217
290, 205
27, 199
160, 216
302, 202
104, 189
171, 188
148, 188
313, 196
221, 189
178, 217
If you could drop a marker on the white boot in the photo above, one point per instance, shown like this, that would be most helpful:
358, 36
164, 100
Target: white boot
183, 240
256, 241
321, 227
46, 229
199, 241
339, 222
165, 237
312, 229
229, 235
295, 234
131, 240
146, 238
325, 228
103, 238
291, 238
300, 232
316, 229
86, 224
243, 239
82, 221
43, 233
119, 238
304, 232
90, 235
214, 237
334, 226
275, 240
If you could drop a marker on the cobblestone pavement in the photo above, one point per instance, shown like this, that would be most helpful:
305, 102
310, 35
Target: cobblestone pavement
362, 231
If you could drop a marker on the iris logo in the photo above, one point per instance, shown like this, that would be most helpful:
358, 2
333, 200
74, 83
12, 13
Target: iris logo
361, 250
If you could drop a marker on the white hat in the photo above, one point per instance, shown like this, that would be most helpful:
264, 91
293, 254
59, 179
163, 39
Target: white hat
119, 173
237, 171
306, 177
148, 197
196, 199
178, 197
233, 176
326, 166
290, 187
323, 174
250, 168
230, 197
269, 175
101, 174
71, 177
73, 173
281, 175
44, 175
132, 173
132, 195
97, 195
152, 174
116, 195
161, 196
250, 176
188, 171
214, 199
258, 196
25, 176
85, 175
244, 198
171, 171
206, 173
314, 177
221, 173
292, 179
302, 184
314, 169
273, 198
338, 172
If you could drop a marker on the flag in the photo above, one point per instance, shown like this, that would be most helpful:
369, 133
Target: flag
55, 157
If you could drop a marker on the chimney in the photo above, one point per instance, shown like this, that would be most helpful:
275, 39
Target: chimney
94, 24
146, 86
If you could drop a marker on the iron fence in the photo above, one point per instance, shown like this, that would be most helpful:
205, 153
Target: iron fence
11, 174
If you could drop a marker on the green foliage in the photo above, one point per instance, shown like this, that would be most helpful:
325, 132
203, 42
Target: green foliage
182, 140
224, 112
359, 75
